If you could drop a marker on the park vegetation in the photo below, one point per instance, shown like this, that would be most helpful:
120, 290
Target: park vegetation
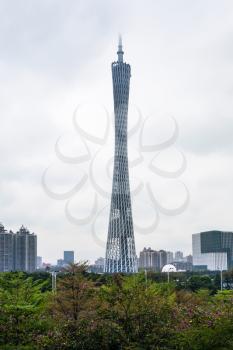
101, 312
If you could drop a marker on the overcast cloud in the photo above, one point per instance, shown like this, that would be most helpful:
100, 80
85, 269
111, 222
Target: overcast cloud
56, 54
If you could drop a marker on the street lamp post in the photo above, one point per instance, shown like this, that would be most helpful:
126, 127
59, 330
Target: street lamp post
221, 279
146, 277
168, 274
54, 281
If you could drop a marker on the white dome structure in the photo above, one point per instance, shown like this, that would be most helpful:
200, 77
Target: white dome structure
169, 268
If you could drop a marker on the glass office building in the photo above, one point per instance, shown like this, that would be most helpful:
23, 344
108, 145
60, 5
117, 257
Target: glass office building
69, 257
213, 250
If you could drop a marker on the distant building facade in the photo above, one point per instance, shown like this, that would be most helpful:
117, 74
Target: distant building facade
189, 259
183, 265
149, 259
98, 266
6, 250
212, 250
170, 257
68, 257
25, 250
154, 260
100, 262
60, 262
179, 256
162, 258
18, 251
39, 262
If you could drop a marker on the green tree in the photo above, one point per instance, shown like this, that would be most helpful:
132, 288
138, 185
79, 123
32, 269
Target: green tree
138, 315
21, 306
200, 282
72, 309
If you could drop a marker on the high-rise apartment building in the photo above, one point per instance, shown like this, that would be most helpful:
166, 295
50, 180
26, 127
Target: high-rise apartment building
155, 260
170, 257
213, 250
179, 256
120, 249
152, 259
149, 259
162, 258
18, 252
6, 250
25, 250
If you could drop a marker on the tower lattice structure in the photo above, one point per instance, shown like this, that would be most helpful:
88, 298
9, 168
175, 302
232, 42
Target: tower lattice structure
120, 249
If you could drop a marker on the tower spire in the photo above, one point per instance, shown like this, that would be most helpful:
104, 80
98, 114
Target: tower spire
120, 52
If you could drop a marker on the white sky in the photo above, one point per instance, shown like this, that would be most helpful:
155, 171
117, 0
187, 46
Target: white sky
55, 55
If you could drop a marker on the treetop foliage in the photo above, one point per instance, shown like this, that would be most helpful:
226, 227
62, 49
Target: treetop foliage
113, 312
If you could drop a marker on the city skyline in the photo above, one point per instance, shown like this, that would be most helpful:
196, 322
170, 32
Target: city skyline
182, 66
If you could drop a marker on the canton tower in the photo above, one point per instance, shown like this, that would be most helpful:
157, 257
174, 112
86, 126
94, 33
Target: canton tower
120, 249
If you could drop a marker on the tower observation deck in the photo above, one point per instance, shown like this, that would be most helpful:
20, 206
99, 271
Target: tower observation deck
120, 249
